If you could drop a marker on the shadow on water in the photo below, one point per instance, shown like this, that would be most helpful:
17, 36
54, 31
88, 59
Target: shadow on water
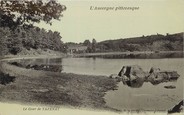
54, 65
138, 83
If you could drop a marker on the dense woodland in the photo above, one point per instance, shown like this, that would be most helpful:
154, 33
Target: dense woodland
17, 33
169, 42
26, 38
157, 42
22, 39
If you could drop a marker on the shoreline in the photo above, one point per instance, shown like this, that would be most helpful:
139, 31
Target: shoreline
126, 53
95, 85
52, 88
15, 57
30, 57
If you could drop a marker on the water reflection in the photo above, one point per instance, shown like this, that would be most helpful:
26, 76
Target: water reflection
53, 68
138, 56
139, 94
54, 65
136, 83
134, 76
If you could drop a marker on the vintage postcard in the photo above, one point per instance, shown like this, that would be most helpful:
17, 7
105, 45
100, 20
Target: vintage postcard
91, 57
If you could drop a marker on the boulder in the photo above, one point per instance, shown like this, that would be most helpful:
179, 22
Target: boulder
172, 75
153, 70
130, 75
157, 76
177, 108
132, 71
125, 78
170, 87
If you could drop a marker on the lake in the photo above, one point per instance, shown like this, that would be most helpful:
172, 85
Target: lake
146, 97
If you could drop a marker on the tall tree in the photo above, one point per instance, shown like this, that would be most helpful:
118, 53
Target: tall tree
94, 45
20, 12
15, 15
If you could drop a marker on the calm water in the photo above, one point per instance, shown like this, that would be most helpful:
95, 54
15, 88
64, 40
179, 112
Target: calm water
100, 66
147, 97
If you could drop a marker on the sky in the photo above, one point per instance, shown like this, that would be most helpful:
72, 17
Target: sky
154, 16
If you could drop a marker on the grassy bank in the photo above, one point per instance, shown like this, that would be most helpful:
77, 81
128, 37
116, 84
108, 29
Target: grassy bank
49, 88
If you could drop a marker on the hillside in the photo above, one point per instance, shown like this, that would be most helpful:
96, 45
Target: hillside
26, 40
157, 42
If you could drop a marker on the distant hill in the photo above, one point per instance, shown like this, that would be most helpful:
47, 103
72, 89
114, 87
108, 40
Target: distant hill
157, 42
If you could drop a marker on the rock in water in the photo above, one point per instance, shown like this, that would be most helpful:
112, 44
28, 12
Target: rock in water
132, 72
173, 75
177, 108
170, 87
157, 76
153, 70
125, 78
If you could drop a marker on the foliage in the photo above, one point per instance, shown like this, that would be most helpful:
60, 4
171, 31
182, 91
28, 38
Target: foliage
93, 48
17, 32
145, 43
19, 12
86, 43
14, 41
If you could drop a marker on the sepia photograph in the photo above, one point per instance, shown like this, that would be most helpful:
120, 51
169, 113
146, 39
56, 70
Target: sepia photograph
110, 57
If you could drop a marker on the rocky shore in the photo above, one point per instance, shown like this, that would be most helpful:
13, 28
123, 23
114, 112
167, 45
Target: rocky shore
134, 76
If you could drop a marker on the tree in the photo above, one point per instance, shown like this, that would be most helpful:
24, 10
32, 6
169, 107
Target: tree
26, 12
3, 45
94, 41
87, 43
16, 23
94, 45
